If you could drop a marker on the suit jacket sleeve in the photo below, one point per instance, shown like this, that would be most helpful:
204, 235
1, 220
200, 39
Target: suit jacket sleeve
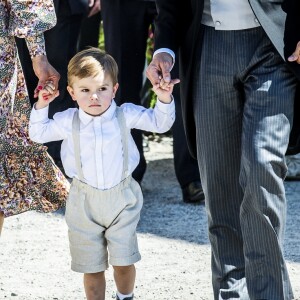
172, 22
79, 7
292, 31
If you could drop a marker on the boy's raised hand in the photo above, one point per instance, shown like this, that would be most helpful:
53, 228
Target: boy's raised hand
163, 91
46, 95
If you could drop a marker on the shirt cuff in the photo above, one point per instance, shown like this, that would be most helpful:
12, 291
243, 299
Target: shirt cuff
165, 107
166, 50
39, 115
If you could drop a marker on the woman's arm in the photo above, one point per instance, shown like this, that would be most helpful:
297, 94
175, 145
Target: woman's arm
29, 19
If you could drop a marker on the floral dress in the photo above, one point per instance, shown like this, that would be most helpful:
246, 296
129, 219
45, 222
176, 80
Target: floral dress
29, 180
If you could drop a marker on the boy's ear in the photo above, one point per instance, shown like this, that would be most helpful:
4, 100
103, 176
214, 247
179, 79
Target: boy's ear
116, 86
71, 92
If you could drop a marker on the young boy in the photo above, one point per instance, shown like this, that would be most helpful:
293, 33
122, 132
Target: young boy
99, 153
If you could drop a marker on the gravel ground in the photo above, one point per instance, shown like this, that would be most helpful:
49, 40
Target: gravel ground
34, 254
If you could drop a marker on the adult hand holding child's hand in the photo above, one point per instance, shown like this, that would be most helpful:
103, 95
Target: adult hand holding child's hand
44, 72
46, 95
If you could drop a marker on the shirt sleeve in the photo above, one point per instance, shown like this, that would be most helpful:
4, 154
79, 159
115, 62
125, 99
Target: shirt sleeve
166, 50
29, 19
160, 119
44, 130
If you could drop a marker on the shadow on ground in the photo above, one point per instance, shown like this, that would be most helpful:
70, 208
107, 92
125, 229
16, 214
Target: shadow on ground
164, 213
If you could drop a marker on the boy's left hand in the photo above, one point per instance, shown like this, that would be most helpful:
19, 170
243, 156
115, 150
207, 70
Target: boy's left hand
163, 91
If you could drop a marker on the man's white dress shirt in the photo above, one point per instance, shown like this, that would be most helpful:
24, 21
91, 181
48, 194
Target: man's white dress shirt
100, 140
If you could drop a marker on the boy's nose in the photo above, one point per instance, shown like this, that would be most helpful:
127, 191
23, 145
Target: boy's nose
94, 96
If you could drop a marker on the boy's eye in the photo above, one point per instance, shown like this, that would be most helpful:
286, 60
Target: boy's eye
84, 90
102, 89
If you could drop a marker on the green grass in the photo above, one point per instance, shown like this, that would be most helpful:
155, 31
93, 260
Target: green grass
101, 37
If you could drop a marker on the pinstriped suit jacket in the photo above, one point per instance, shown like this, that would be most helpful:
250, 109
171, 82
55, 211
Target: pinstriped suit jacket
179, 27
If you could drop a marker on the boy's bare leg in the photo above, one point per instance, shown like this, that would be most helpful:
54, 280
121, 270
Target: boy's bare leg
1, 221
125, 279
94, 285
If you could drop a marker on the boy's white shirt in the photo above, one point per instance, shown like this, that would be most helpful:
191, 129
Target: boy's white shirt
100, 140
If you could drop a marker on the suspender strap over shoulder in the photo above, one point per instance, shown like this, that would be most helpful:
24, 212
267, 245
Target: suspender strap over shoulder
125, 137
76, 141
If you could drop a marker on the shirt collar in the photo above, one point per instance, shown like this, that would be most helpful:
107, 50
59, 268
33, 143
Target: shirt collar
108, 115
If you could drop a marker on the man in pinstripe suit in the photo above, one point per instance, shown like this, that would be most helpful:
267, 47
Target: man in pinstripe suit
238, 110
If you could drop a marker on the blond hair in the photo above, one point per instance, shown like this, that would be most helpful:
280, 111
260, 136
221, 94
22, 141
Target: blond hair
91, 61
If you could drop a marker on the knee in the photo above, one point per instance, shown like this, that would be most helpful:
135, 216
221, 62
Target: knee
266, 168
93, 278
94, 285
123, 270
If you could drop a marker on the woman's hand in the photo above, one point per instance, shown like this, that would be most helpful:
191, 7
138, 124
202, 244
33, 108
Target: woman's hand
46, 95
45, 73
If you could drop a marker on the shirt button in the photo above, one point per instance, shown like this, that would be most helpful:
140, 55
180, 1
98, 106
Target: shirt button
255, 20
218, 23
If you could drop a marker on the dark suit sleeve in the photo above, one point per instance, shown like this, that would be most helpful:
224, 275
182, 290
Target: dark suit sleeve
292, 30
292, 25
172, 23
291, 6
79, 7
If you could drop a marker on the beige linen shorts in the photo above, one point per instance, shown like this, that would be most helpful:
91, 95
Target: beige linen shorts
102, 224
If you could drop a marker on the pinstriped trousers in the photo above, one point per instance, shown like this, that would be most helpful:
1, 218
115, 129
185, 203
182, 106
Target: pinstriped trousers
243, 108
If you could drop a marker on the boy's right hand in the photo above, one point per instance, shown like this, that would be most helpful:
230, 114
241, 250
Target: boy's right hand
46, 95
